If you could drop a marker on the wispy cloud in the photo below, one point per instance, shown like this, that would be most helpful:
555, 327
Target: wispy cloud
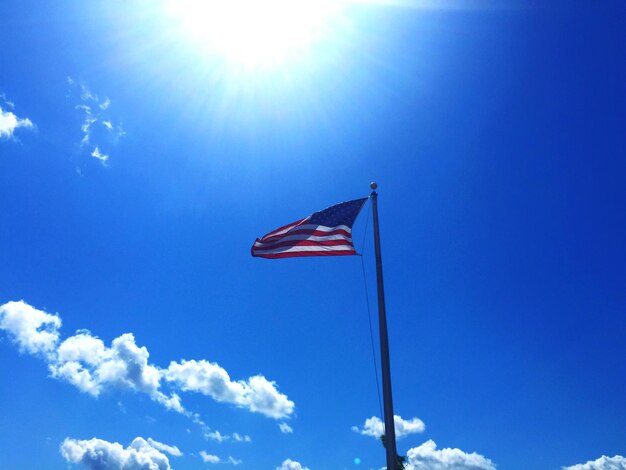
210, 458
219, 437
617, 462
172, 450
427, 456
291, 465
99, 155
374, 427
98, 129
99, 454
9, 121
285, 428
87, 363
7, 103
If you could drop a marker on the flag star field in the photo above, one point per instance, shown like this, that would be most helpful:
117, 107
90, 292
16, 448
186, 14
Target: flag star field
146, 321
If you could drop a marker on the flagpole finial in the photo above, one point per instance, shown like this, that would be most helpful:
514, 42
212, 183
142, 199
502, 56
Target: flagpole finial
373, 185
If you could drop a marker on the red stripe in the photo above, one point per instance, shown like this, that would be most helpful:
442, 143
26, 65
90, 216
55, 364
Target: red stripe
297, 222
297, 254
302, 231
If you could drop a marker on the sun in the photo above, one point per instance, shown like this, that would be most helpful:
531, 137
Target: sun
254, 33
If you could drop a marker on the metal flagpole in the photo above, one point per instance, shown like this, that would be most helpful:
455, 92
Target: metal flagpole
390, 431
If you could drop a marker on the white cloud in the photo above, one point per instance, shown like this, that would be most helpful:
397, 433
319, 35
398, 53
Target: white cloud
603, 463
8, 103
84, 361
256, 394
239, 438
427, 457
172, 450
9, 121
87, 363
215, 436
98, 454
209, 458
32, 330
97, 127
99, 155
285, 428
291, 465
219, 437
374, 427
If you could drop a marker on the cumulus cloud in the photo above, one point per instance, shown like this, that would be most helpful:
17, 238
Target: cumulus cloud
97, 128
257, 394
98, 454
374, 427
33, 331
603, 463
291, 465
86, 362
9, 122
285, 428
427, 457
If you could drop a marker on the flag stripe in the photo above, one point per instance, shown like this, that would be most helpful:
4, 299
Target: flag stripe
307, 251
302, 236
312, 229
285, 228
322, 243
304, 253
325, 233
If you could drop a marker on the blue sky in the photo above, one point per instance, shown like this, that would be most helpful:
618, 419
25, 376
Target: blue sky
138, 165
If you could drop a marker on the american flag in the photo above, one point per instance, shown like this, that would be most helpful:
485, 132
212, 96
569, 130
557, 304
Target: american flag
325, 233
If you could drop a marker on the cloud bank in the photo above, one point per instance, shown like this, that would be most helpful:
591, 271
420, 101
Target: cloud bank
98, 454
603, 463
427, 457
374, 427
86, 362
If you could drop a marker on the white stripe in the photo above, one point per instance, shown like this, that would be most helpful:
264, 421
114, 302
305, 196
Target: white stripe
313, 238
295, 249
324, 228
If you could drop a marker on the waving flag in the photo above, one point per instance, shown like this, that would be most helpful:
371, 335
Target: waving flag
324, 233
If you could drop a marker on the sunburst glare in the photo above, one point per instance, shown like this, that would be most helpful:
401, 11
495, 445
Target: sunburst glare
255, 33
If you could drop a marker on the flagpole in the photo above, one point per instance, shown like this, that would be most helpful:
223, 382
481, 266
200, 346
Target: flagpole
390, 432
